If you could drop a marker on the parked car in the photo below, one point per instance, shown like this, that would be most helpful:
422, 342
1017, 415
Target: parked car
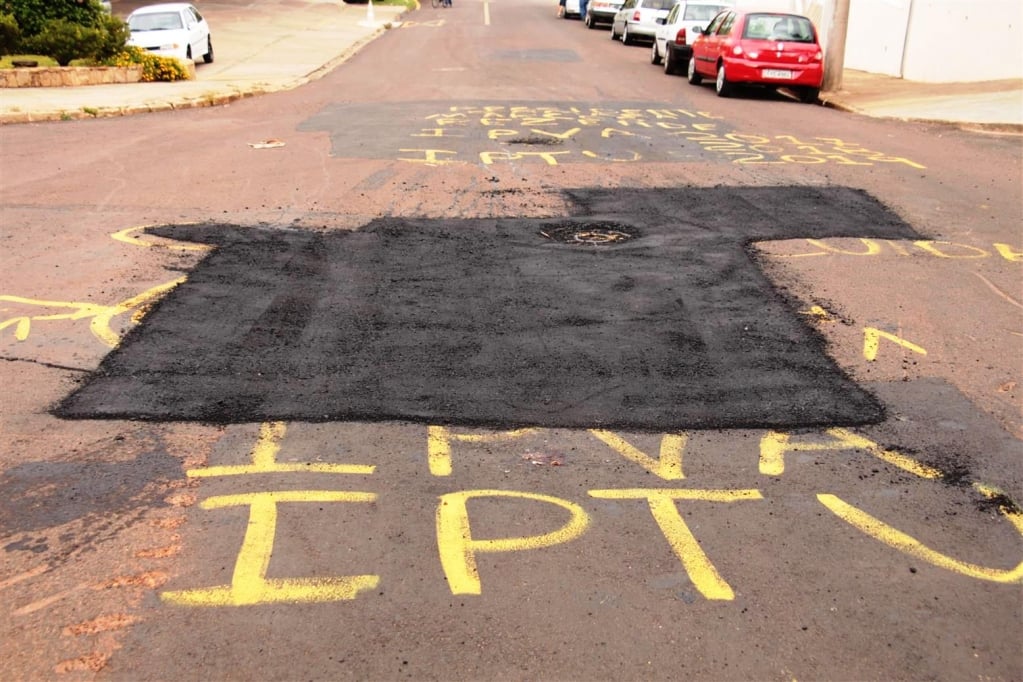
573, 8
637, 19
173, 29
673, 40
772, 49
599, 12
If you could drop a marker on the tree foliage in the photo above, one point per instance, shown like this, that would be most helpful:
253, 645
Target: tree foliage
10, 34
32, 15
63, 29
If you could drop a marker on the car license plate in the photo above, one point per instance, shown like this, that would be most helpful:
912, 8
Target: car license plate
777, 73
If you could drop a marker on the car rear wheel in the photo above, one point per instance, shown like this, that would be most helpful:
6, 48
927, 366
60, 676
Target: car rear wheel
655, 56
208, 57
588, 20
694, 78
614, 36
722, 86
809, 95
626, 38
670, 65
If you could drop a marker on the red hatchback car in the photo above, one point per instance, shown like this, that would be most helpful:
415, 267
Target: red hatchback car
764, 48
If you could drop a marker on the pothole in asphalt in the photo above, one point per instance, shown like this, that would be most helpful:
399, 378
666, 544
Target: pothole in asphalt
591, 233
536, 141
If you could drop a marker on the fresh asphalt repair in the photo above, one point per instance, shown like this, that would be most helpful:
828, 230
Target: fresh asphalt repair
642, 310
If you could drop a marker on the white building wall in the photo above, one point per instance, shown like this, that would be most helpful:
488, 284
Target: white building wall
942, 33
876, 35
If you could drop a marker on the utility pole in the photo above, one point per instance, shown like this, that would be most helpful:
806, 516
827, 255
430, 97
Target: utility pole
834, 58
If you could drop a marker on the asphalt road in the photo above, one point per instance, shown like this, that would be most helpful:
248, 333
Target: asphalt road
523, 360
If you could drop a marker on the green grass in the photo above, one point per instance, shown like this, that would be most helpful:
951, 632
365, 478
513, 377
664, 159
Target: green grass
5, 61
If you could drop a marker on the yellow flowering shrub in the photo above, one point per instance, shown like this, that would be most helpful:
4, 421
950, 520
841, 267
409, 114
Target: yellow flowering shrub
154, 68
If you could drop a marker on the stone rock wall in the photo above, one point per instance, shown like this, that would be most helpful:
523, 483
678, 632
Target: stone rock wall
58, 76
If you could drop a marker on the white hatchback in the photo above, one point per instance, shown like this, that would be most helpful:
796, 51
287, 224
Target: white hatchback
673, 41
637, 19
173, 29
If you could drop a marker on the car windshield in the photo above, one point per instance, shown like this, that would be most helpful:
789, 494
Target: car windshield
791, 29
701, 12
157, 21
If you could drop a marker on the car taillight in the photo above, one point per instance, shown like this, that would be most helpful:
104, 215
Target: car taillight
819, 56
636, 16
680, 37
737, 50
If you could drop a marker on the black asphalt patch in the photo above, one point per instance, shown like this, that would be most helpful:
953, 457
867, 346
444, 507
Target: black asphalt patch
491, 322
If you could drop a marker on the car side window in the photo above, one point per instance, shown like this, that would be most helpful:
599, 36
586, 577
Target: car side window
195, 13
715, 24
629, 4
672, 15
726, 25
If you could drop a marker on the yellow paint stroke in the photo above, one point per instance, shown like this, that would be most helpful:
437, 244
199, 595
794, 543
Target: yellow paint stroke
775, 444
817, 312
558, 136
99, 316
1008, 253
872, 341
249, 584
683, 543
431, 157
134, 236
440, 438
667, 467
896, 539
458, 549
264, 459
931, 247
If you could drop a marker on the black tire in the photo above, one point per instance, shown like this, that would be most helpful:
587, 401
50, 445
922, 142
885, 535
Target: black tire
626, 38
208, 57
655, 56
670, 65
722, 85
188, 54
590, 23
693, 77
809, 95
614, 36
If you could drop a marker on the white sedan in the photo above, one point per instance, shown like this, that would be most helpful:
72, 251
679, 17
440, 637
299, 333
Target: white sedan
173, 29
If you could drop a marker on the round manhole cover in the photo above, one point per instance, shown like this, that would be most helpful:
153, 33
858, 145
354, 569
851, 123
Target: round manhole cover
592, 234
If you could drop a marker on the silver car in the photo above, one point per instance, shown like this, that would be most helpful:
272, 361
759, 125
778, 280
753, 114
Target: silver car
673, 40
637, 19
601, 12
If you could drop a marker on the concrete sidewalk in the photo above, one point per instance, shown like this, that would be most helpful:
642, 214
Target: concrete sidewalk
267, 47
262, 48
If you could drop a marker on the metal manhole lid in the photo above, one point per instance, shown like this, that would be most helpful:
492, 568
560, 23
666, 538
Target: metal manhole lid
591, 233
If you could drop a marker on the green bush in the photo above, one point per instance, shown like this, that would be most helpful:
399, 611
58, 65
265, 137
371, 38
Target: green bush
154, 67
64, 40
10, 34
114, 34
32, 15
